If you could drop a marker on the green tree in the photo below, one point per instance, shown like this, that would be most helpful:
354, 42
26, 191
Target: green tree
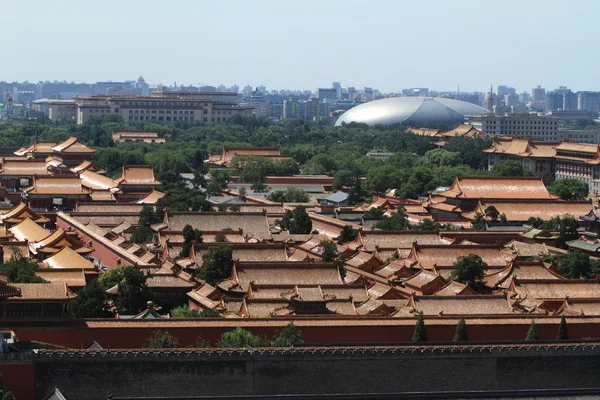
202, 343
492, 213
147, 216
296, 221
328, 251
217, 183
374, 213
111, 277
532, 333
20, 270
461, 331
479, 222
142, 234
420, 333
90, 302
443, 157
347, 234
184, 311
240, 338
290, 195
396, 222
355, 194
509, 168
569, 189
133, 293
428, 225
574, 265
190, 236
259, 187
217, 264
469, 269
470, 150
220, 237
161, 340
563, 333
289, 336
342, 178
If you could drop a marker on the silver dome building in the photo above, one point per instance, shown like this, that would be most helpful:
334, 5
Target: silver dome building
419, 110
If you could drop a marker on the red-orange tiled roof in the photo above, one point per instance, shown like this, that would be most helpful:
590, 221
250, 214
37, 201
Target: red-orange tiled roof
498, 188
462, 305
291, 273
522, 148
555, 288
71, 277
42, 291
398, 239
57, 185
73, 145
67, 258
138, 175
522, 210
24, 167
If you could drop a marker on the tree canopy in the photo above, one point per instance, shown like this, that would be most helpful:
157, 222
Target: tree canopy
420, 333
296, 221
133, 293
569, 189
217, 264
469, 269
161, 340
20, 270
509, 168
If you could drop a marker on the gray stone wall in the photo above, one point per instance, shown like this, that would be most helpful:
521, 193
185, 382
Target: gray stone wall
96, 375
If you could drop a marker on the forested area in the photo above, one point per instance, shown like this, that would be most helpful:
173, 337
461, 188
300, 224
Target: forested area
416, 167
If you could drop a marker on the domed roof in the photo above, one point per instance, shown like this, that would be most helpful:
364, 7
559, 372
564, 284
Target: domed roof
422, 110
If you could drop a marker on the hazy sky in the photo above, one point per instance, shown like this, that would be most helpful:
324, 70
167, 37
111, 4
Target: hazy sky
385, 44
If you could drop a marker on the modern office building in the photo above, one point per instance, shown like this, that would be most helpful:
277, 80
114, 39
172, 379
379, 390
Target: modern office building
167, 106
579, 135
517, 125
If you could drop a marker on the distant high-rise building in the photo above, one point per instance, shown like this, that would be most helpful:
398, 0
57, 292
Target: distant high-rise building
101, 88
524, 97
309, 110
511, 99
327, 94
588, 101
142, 87
503, 90
561, 98
415, 92
247, 90
538, 94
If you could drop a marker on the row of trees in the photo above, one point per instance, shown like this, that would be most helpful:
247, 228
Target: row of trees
460, 335
289, 336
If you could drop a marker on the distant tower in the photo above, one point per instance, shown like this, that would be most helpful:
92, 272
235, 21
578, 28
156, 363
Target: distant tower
142, 87
490, 99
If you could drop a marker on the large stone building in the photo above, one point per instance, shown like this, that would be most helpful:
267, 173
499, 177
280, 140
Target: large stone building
165, 106
517, 125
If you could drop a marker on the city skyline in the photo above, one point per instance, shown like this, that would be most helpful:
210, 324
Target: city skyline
382, 44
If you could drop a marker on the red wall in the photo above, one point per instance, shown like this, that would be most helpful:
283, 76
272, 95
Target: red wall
101, 252
131, 337
19, 379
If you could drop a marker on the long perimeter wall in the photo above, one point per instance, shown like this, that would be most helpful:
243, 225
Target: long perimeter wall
312, 370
